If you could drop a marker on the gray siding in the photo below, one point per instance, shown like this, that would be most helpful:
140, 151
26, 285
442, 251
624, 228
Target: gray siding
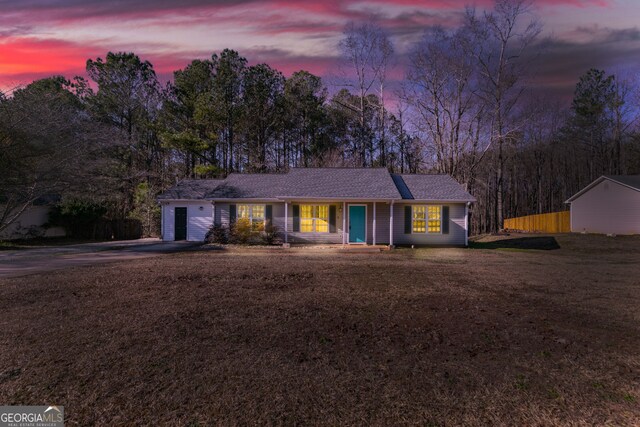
607, 208
222, 217
199, 222
457, 231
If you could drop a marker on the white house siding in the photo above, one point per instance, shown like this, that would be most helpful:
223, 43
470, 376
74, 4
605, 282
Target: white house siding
32, 219
198, 221
168, 222
457, 231
607, 208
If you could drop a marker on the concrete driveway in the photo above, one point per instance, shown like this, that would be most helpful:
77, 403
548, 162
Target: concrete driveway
40, 260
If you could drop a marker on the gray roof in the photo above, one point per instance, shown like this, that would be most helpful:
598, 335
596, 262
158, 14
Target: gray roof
347, 183
632, 181
431, 187
324, 183
190, 189
248, 186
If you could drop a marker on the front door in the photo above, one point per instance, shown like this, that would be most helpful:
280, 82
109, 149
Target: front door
357, 224
181, 224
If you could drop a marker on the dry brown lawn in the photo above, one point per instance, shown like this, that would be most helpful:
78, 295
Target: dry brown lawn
504, 334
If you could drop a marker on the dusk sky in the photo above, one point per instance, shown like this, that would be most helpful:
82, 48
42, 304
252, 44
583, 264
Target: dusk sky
39, 38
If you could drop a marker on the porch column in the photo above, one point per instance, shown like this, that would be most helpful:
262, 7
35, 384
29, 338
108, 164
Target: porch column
344, 223
213, 213
391, 225
374, 223
286, 221
466, 224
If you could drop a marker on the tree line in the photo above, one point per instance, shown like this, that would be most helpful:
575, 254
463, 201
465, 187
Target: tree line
467, 107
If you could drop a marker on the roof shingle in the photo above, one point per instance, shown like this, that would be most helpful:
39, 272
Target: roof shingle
190, 189
324, 183
440, 188
347, 183
248, 186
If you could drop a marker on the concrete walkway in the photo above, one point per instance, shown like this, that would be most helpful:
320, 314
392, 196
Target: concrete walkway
40, 260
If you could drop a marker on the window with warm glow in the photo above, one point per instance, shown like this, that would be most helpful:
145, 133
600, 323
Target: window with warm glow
435, 219
254, 214
419, 219
426, 219
314, 218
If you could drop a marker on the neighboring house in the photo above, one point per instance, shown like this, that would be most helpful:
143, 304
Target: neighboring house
609, 205
31, 223
324, 205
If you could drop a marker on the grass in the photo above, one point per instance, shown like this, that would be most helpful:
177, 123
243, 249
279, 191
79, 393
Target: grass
263, 336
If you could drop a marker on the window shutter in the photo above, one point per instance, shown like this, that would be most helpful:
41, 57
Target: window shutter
232, 214
445, 220
332, 219
296, 218
268, 216
407, 220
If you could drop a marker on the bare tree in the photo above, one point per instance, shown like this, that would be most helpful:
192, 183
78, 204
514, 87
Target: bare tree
440, 76
368, 49
505, 38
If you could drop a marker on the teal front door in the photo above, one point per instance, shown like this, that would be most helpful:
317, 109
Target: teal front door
357, 224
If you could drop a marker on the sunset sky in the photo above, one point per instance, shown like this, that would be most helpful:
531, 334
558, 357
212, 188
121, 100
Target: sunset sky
39, 38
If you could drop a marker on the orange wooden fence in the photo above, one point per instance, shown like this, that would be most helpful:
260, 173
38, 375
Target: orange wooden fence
555, 222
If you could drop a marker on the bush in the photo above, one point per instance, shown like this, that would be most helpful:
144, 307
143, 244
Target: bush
242, 232
271, 235
217, 234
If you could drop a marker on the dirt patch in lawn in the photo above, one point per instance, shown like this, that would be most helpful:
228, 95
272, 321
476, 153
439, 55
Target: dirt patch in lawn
258, 336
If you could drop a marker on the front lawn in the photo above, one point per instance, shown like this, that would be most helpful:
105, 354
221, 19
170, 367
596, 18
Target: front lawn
535, 336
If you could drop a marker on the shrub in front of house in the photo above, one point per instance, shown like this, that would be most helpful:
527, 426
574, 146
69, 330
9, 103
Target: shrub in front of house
242, 232
271, 235
217, 234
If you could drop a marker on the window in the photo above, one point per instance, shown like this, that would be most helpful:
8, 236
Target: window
426, 219
435, 219
314, 218
253, 214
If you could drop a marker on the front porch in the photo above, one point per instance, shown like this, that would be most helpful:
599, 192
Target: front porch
347, 223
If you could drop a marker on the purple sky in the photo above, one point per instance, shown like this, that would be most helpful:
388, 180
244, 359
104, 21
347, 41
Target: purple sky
39, 38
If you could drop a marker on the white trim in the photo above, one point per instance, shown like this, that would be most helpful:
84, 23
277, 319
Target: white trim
347, 199
374, 224
596, 182
286, 222
213, 214
344, 223
250, 217
366, 231
427, 232
314, 218
466, 224
391, 225
323, 199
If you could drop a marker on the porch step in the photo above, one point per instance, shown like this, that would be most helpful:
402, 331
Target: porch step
359, 250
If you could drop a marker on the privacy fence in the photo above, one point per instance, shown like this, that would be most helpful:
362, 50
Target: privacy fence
555, 222
104, 229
